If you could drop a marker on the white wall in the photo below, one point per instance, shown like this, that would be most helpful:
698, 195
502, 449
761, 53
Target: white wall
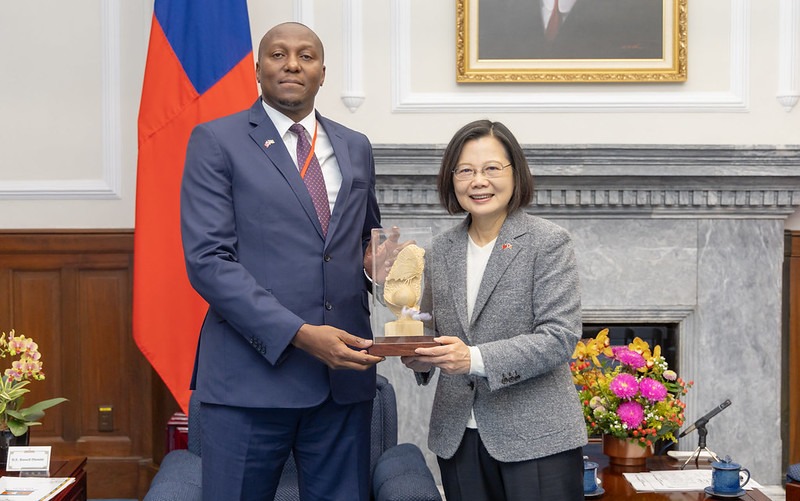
72, 74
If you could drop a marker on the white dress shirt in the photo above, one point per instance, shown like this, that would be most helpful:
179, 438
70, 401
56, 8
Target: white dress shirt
322, 148
477, 259
564, 7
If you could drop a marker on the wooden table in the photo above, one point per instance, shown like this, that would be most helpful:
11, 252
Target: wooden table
617, 487
65, 467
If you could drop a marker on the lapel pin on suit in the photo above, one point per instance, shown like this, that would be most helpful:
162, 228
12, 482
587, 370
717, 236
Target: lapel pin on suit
268, 143
506, 246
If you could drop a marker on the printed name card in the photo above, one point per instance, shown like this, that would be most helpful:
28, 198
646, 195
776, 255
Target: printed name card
28, 458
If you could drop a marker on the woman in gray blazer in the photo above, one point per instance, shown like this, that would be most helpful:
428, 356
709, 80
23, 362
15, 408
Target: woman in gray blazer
506, 422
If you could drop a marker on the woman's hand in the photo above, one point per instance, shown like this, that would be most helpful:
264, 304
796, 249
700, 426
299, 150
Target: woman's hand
452, 357
415, 364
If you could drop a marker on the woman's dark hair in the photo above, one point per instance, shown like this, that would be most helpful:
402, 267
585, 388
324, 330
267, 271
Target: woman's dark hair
523, 181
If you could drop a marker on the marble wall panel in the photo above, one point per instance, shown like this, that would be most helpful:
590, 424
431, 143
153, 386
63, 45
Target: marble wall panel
635, 262
737, 341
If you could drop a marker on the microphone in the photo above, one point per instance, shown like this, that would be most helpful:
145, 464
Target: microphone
703, 420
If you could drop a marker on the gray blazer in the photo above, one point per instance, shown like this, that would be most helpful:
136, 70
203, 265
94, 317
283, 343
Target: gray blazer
526, 322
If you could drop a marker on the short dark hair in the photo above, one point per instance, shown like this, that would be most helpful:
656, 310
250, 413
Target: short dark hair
523, 181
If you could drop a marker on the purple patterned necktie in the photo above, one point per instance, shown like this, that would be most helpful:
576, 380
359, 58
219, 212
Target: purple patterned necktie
313, 178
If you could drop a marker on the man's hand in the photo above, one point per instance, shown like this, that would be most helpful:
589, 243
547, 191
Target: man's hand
330, 345
452, 357
384, 257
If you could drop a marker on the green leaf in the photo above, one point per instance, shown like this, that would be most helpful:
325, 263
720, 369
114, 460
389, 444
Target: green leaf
45, 404
18, 415
17, 428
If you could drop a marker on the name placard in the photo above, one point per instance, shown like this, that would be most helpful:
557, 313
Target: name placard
28, 458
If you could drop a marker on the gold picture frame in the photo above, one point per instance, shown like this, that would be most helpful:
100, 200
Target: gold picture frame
515, 51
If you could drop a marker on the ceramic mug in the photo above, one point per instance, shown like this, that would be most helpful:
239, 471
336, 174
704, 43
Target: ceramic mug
589, 476
727, 477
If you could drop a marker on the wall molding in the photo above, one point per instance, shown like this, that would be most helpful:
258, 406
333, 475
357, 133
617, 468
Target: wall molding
110, 185
407, 100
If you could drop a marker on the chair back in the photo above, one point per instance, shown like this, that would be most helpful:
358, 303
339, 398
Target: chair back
194, 426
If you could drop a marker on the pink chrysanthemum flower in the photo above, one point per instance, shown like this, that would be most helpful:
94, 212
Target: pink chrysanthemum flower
652, 390
670, 375
624, 386
630, 358
631, 414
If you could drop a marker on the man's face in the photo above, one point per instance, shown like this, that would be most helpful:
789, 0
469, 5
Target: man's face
290, 69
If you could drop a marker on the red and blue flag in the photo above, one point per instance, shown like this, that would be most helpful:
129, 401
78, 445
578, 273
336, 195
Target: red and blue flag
199, 67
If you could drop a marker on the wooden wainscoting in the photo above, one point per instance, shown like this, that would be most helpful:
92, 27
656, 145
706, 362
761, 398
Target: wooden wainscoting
792, 327
71, 291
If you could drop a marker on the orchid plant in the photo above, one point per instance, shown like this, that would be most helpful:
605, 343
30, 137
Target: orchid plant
628, 391
26, 368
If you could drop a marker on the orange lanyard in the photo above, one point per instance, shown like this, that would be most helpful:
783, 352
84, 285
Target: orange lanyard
310, 154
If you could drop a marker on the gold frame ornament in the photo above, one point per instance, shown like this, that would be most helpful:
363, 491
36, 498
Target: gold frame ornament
579, 66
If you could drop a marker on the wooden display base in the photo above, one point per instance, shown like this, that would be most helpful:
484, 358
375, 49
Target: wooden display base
396, 346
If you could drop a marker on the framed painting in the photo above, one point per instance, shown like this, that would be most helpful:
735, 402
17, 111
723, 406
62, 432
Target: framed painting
571, 40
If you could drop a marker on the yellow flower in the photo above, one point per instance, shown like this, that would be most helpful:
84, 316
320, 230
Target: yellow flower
640, 346
602, 344
580, 351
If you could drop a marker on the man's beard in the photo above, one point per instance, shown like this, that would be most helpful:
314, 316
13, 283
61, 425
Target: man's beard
290, 104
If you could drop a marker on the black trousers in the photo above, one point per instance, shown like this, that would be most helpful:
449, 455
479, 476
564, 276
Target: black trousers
473, 475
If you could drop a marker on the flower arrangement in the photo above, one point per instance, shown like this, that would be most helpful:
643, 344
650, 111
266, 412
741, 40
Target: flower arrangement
628, 391
13, 384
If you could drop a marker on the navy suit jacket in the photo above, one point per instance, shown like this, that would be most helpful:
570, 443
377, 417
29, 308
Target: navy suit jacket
255, 252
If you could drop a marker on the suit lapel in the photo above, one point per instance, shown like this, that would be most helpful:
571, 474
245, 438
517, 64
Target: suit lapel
456, 258
505, 250
342, 153
271, 143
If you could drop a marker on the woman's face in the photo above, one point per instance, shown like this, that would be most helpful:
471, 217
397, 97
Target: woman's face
482, 196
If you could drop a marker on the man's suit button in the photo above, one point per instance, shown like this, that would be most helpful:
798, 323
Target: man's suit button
328, 305
327, 257
472, 385
504, 380
252, 340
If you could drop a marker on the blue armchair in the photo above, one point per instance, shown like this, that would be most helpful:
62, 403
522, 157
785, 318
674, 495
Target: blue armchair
793, 483
399, 472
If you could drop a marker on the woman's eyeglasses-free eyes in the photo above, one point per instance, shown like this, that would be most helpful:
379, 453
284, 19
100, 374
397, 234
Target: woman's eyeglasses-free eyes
465, 173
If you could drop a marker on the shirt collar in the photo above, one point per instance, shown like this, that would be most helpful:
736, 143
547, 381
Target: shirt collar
564, 6
282, 122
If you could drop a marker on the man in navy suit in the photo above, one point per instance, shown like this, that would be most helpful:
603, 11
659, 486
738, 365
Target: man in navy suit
281, 362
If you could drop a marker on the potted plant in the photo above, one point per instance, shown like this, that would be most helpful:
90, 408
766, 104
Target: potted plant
629, 396
26, 367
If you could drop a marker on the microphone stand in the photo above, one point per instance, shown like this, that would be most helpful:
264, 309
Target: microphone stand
701, 446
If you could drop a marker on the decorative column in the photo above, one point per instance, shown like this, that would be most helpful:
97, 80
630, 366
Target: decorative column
353, 54
789, 54
304, 12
